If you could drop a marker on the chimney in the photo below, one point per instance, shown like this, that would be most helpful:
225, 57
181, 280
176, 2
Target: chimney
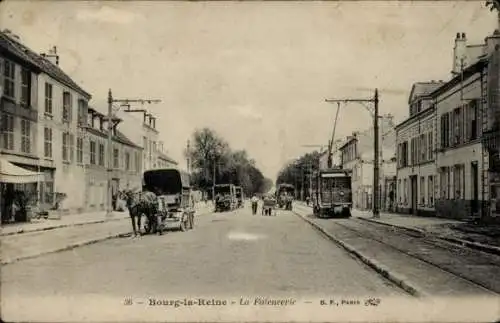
459, 53
51, 56
492, 43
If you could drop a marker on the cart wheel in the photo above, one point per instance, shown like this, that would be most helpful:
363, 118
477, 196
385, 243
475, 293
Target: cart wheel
182, 226
192, 222
147, 224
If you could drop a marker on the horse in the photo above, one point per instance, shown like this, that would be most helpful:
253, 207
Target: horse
139, 203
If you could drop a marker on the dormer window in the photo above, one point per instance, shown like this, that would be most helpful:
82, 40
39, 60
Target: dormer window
101, 124
419, 105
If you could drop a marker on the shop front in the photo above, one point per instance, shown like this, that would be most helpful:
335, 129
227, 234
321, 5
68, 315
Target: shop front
18, 191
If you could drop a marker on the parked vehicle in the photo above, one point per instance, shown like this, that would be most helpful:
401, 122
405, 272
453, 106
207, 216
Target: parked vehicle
332, 195
173, 193
225, 197
239, 196
269, 206
284, 196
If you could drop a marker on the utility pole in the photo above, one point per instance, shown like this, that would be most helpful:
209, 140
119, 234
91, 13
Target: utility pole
111, 125
188, 151
375, 101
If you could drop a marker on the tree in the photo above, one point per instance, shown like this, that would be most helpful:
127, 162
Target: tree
213, 159
299, 172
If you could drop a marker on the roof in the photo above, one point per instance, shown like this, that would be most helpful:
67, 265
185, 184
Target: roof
416, 116
15, 46
467, 72
420, 89
8, 49
118, 137
166, 158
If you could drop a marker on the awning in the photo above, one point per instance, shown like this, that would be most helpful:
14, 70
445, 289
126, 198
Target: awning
10, 173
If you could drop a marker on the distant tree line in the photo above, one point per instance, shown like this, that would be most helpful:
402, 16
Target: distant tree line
213, 161
299, 172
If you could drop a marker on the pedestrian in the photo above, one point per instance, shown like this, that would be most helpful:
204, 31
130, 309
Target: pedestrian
391, 200
255, 200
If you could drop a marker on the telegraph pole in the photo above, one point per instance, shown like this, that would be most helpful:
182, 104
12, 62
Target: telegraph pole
123, 102
375, 101
188, 158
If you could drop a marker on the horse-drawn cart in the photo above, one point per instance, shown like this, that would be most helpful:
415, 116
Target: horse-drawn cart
164, 203
269, 206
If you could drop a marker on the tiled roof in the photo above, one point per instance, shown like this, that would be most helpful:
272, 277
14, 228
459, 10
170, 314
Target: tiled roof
14, 46
423, 88
166, 158
118, 137
6, 45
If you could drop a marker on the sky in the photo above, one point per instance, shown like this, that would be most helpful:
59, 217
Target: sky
258, 73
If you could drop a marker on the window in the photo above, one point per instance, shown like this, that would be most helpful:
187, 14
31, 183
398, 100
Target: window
404, 154
25, 136
115, 157
7, 132
422, 190
127, 161
47, 142
472, 130
457, 126
443, 181
49, 192
65, 146
423, 148
25, 87
138, 162
430, 146
405, 191
430, 190
458, 181
79, 150
92, 152
82, 112
66, 116
101, 155
400, 191
445, 130
48, 98
9, 79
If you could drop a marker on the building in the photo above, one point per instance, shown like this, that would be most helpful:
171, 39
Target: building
462, 109
18, 109
443, 161
416, 160
140, 127
357, 156
164, 161
126, 161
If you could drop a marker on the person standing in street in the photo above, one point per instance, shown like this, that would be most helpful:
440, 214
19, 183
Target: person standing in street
255, 200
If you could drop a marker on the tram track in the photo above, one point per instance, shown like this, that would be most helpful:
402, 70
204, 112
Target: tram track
476, 270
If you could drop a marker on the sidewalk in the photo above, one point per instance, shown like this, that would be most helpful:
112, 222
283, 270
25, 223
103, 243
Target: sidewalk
77, 220
65, 221
447, 229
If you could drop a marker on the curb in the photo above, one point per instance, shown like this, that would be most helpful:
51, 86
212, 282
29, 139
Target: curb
414, 230
74, 245
66, 248
395, 278
58, 227
472, 245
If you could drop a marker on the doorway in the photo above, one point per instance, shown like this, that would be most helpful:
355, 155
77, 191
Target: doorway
475, 188
414, 194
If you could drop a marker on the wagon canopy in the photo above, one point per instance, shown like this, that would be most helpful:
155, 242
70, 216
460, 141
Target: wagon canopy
165, 181
285, 188
223, 188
